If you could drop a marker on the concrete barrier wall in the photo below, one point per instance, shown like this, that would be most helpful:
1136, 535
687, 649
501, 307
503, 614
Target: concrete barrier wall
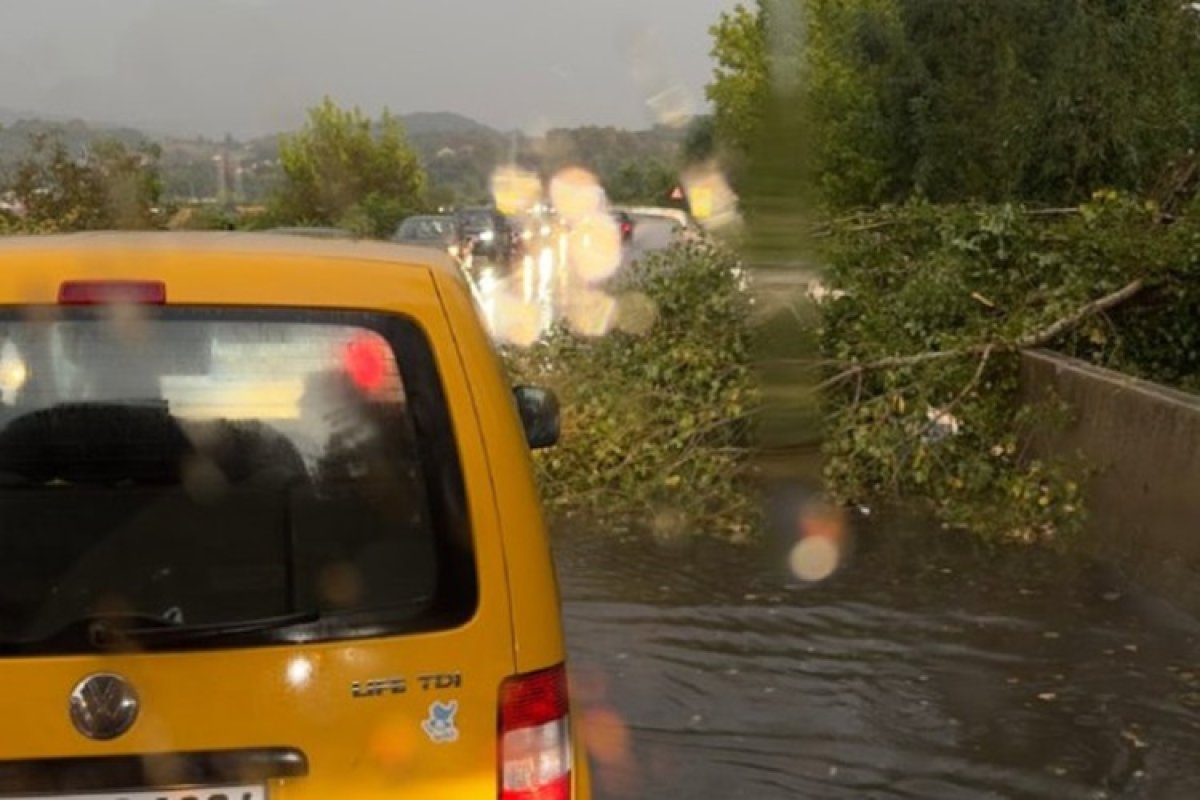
1142, 441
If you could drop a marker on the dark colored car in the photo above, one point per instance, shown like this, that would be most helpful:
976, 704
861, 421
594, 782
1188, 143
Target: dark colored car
489, 233
441, 232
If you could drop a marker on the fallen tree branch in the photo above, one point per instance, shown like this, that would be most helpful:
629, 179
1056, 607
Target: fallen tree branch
1052, 212
1035, 339
1056, 329
862, 223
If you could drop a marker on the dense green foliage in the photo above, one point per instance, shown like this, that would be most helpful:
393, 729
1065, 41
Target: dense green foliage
700, 140
937, 302
968, 127
345, 170
655, 418
648, 184
635, 167
741, 82
107, 187
957, 100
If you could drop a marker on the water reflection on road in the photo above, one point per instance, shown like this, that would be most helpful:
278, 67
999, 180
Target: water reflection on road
921, 670
556, 277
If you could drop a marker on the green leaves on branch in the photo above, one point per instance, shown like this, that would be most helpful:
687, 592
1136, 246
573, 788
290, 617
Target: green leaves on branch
957, 100
655, 423
921, 348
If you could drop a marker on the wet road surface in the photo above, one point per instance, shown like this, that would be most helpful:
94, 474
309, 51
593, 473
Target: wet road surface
922, 669
556, 278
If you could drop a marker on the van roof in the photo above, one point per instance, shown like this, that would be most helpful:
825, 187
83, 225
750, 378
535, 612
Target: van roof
228, 243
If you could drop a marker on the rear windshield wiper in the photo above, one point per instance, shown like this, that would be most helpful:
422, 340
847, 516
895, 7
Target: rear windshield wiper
108, 631
117, 631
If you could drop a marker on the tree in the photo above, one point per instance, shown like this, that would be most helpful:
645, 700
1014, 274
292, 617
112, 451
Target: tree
633, 166
700, 142
641, 183
958, 100
108, 187
346, 170
740, 86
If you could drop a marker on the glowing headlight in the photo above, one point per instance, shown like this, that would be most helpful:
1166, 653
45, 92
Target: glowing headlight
487, 236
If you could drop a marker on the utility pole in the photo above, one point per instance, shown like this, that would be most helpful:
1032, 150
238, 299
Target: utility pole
222, 178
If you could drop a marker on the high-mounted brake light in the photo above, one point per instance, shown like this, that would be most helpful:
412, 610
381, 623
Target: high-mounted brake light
535, 741
95, 293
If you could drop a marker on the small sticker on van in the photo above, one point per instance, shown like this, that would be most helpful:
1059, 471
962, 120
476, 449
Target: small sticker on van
440, 726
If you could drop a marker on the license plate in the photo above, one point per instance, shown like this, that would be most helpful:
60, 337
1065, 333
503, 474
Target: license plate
199, 793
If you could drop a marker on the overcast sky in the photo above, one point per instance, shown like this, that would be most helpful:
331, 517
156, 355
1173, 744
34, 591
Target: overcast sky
251, 66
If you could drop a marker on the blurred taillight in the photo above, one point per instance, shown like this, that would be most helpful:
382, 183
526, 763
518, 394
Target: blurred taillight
94, 293
535, 741
367, 358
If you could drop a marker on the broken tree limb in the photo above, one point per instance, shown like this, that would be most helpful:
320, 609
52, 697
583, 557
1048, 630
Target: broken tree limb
1038, 338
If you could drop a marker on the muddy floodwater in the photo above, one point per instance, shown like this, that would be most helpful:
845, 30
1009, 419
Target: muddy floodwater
924, 668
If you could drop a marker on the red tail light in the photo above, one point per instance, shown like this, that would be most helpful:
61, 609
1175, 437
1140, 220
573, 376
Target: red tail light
626, 228
535, 741
94, 293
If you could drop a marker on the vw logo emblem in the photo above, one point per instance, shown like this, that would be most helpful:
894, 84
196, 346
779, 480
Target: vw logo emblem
103, 706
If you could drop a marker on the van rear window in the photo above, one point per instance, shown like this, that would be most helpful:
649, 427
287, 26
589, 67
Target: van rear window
179, 478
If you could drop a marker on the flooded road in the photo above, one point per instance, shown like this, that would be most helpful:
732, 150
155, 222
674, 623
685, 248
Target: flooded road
922, 669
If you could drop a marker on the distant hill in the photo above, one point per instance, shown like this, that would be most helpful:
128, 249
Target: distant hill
459, 154
424, 123
16, 134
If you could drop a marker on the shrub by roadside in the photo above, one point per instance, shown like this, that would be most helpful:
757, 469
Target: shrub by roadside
656, 410
920, 348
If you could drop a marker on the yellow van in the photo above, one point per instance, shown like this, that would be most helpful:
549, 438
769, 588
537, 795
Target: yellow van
269, 529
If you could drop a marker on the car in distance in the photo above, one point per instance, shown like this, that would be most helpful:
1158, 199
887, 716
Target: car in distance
270, 529
431, 231
488, 233
625, 225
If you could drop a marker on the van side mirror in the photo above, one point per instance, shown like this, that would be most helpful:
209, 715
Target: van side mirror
539, 414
